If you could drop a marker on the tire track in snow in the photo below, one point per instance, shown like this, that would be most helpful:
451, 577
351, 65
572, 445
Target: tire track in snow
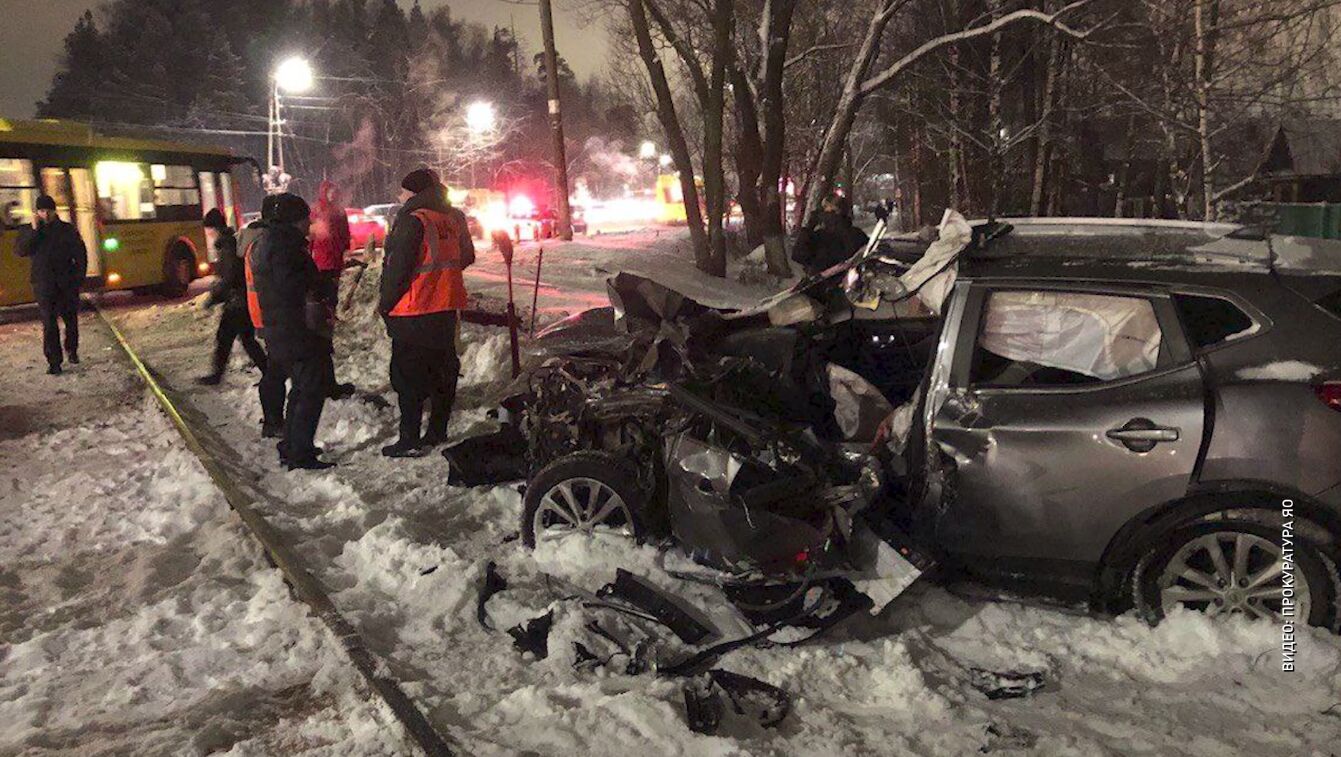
200, 440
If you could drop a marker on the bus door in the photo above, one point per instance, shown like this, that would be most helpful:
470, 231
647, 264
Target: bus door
18, 194
74, 195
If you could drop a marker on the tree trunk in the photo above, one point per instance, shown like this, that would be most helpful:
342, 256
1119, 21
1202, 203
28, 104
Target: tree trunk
1042, 152
1205, 19
775, 36
714, 183
849, 102
670, 123
749, 158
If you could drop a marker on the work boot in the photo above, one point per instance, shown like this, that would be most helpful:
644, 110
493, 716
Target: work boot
433, 438
403, 449
342, 392
53, 370
283, 450
211, 380
272, 430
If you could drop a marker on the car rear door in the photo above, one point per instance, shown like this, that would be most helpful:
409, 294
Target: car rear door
1065, 411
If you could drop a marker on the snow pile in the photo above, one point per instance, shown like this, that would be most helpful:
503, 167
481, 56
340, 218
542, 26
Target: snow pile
144, 620
1284, 370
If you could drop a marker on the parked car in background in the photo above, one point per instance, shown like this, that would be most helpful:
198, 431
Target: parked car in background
363, 227
384, 212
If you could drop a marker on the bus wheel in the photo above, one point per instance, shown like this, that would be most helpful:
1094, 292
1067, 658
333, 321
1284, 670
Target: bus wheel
178, 270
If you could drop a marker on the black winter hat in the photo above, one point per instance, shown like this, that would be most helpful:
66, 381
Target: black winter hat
215, 219
286, 207
45, 202
420, 179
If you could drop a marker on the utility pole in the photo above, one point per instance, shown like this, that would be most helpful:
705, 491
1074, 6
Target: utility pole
556, 120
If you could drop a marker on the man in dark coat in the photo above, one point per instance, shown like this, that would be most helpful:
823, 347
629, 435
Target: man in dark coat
421, 301
295, 327
230, 291
832, 239
59, 262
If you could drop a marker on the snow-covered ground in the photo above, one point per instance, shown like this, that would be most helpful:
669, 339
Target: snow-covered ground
137, 618
404, 555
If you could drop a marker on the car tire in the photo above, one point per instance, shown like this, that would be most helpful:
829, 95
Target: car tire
1181, 570
589, 479
178, 271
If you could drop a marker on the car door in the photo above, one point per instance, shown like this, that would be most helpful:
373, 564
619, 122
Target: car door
1065, 411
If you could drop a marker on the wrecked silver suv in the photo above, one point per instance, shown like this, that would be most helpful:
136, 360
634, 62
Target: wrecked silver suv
1144, 413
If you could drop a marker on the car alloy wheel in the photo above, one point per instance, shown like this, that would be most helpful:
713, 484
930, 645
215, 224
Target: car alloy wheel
1235, 567
1229, 572
581, 504
583, 493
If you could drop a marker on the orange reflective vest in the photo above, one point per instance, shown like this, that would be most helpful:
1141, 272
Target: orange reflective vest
253, 301
437, 285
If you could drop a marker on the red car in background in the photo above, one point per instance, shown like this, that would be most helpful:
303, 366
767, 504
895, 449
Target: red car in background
363, 227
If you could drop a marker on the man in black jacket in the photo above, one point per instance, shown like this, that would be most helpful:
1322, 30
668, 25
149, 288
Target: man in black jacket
295, 326
59, 262
831, 240
230, 291
422, 294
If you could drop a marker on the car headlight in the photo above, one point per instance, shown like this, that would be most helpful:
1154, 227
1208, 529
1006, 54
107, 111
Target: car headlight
795, 309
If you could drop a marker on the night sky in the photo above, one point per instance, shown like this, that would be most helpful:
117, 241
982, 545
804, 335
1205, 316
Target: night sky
30, 40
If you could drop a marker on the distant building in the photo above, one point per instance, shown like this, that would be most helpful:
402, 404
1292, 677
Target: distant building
1303, 162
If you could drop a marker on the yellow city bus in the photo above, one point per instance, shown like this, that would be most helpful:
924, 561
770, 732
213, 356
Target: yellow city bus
138, 203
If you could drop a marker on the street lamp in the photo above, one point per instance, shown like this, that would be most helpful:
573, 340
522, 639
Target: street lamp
647, 150
293, 75
480, 117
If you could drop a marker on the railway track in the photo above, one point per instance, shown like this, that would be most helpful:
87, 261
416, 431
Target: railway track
215, 455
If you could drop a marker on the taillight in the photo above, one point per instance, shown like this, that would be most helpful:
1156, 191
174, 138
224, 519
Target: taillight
1330, 394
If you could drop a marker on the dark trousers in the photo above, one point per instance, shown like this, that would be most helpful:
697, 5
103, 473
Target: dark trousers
235, 325
64, 306
329, 291
423, 375
307, 396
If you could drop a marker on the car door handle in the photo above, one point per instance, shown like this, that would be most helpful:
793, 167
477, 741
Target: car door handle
1143, 434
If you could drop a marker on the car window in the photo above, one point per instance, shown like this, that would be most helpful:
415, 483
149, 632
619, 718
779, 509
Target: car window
1211, 320
1045, 338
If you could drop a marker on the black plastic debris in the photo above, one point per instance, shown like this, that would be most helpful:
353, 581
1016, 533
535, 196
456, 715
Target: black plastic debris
764, 703
644, 596
703, 706
706, 698
494, 582
1010, 684
533, 637
488, 459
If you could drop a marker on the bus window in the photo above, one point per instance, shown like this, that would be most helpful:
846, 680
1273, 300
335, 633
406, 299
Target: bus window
17, 193
124, 192
57, 185
209, 196
176, 196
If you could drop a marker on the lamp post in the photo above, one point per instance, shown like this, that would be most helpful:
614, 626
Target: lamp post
293, 75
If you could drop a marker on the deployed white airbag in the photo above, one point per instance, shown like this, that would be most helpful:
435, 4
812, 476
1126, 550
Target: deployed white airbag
1097, 335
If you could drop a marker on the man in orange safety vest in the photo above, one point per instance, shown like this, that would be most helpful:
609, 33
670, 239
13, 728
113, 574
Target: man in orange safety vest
422, 295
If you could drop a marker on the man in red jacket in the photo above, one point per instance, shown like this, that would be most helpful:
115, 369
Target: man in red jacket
330, 241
